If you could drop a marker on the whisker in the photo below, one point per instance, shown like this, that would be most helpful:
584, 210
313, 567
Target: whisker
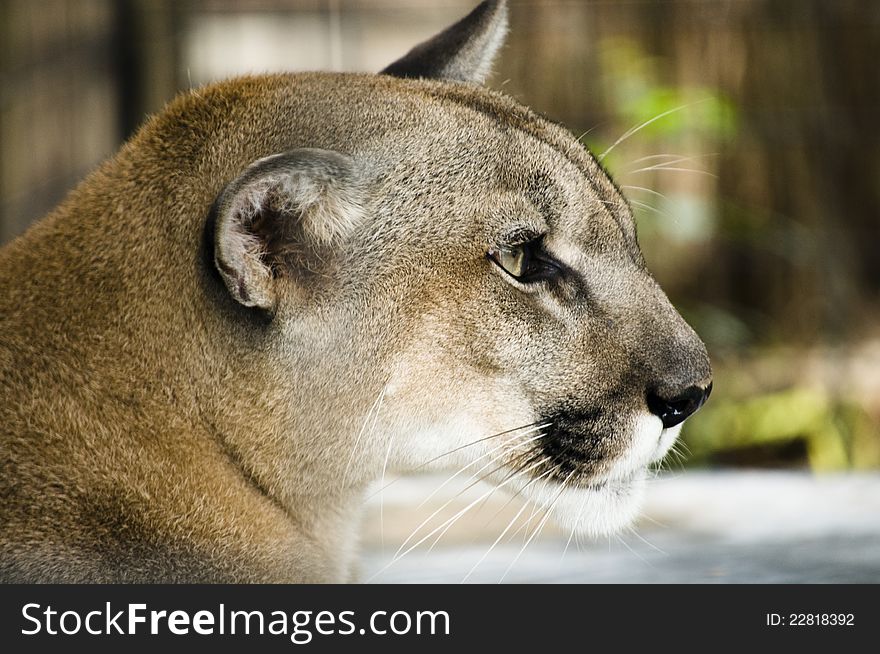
678, 456
556, 468
517, 471
510, 445
636, 129
673, 159
621, 203
635, 533
633, 552
519, 492
670, 168
534, 455
519, 466
525, 527
506, 529
531, 427
575, 526
649, 157
562, 488
382, 494
646, 190
399, 556
654, 521
376, 403
449, 526
588, 131
649, 207
452, 499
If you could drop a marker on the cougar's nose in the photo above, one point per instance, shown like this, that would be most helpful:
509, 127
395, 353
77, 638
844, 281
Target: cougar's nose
679, 407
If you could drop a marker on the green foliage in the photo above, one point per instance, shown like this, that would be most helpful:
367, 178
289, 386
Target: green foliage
837, 434
684, 110
633, 82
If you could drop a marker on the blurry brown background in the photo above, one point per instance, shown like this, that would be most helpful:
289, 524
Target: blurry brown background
756, 180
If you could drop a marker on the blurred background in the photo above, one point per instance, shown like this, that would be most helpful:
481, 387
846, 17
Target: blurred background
744, 133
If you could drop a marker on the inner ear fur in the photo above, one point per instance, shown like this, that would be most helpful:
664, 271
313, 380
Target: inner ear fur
278, 216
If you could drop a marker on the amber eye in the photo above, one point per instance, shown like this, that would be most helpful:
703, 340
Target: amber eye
527, 262
511, 259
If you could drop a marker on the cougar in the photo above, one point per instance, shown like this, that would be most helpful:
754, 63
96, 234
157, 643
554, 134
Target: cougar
284, 283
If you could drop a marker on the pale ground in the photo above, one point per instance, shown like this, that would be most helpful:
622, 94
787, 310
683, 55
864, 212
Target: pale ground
697, 527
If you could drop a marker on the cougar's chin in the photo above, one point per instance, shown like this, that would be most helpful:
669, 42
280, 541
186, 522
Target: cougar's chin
593, 510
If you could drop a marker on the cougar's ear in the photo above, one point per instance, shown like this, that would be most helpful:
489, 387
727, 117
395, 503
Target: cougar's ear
463, 52
277, 218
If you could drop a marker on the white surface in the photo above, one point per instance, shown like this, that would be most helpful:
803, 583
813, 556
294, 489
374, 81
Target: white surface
697, 527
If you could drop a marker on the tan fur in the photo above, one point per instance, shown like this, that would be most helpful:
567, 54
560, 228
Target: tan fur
155, 427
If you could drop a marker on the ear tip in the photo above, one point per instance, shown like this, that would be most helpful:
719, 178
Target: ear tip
498, 6
463, 52
498, 16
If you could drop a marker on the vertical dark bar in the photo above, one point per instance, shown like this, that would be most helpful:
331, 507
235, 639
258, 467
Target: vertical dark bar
146, 39
128, 68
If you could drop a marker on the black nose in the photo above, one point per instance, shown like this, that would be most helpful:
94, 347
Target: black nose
677, 409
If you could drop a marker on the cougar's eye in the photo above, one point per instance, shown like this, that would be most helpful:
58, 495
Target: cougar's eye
526, 263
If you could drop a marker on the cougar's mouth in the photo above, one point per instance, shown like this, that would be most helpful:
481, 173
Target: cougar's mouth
590, 470
576, 447
587, 450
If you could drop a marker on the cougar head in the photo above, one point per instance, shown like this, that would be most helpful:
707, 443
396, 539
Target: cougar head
462, 281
